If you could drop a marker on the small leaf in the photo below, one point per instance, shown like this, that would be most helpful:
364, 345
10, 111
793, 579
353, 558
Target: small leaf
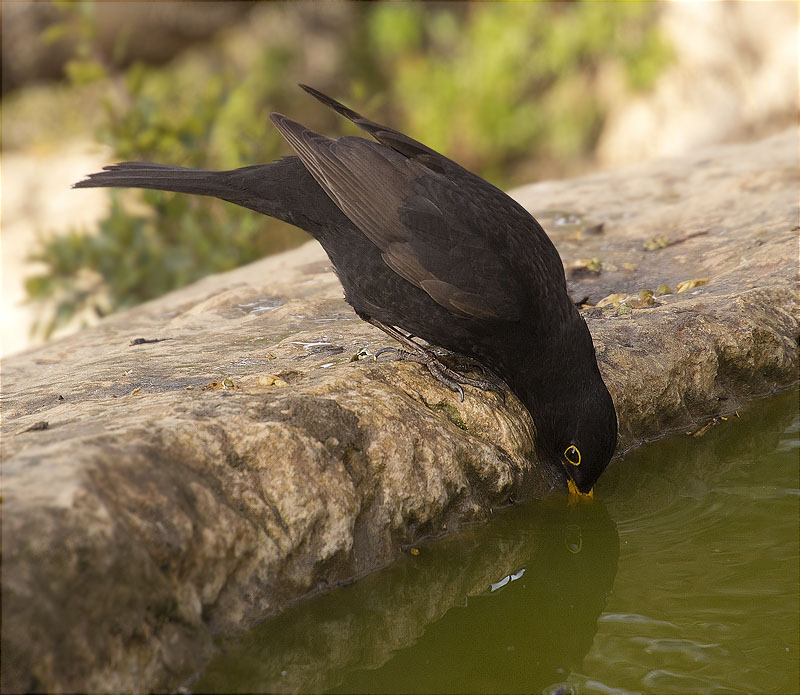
611, 299
657, 242
690, 284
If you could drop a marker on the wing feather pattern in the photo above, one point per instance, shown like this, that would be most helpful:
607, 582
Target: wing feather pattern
428, 230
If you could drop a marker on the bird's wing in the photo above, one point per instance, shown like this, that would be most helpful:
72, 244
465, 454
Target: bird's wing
497, 210
446, 241
400, 142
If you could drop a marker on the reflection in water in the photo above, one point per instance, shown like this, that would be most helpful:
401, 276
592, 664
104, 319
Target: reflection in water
706, 597
537, 623
519, 596
702, 553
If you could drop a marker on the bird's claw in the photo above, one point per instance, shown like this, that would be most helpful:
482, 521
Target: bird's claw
387, 349
446, 377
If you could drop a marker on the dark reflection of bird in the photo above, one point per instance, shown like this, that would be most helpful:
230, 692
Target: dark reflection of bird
424, 246
527, 631
510, 606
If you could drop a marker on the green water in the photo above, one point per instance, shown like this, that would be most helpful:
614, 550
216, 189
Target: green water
681, 577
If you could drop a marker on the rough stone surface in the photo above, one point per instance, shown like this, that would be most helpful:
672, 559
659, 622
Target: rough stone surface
183, 489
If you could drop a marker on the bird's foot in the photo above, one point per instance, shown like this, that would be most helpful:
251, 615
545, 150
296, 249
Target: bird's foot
459, 362
430, 357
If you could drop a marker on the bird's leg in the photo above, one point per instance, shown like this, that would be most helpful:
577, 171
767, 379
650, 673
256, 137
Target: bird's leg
455, 361
460, 362
429, 356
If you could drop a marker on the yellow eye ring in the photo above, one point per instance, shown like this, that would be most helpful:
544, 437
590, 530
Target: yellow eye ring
573, 455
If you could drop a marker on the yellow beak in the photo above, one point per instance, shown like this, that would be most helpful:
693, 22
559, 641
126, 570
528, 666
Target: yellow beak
573, 490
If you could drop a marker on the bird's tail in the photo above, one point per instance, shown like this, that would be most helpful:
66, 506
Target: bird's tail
159, 177
281, 189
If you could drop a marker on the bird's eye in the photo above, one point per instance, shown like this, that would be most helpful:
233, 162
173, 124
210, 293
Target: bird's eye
572, 455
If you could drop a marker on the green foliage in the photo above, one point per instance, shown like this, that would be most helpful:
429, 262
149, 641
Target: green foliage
495, 86
515, 81
175, 239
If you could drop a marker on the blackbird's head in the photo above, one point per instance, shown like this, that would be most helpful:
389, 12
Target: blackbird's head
581, 437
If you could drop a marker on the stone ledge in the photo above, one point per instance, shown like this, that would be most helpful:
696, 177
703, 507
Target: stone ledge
186, 488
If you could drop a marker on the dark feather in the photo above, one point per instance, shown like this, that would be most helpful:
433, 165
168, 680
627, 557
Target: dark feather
425, 227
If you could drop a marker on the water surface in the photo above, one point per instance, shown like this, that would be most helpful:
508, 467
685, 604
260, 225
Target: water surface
681, 577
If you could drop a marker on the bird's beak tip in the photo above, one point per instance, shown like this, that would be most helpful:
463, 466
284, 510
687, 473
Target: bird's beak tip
574, 491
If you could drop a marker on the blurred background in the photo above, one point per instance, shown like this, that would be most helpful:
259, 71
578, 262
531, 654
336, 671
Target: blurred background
517, 92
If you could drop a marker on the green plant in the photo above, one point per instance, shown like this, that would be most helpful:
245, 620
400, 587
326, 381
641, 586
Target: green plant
174, 240
495, 86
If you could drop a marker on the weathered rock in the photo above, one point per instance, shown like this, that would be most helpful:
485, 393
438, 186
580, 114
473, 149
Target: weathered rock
183, 489
312, 645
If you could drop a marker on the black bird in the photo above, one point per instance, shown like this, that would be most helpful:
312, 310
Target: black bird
422, 245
